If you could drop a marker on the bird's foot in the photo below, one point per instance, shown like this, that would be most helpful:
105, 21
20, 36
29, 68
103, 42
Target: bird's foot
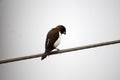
57, 49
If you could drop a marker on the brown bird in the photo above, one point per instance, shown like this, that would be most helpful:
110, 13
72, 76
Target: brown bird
53, 39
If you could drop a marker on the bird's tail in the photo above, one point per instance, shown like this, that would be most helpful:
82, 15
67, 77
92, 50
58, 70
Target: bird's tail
45, 55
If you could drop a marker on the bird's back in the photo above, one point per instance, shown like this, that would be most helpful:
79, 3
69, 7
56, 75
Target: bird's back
52, 36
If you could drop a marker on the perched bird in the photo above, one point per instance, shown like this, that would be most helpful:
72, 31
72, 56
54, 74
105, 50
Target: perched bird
53, 39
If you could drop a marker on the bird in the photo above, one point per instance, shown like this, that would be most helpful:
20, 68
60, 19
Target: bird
53, 39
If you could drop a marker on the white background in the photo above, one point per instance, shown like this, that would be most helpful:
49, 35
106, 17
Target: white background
25, 23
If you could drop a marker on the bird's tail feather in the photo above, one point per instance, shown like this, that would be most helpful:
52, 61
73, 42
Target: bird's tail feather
45, 55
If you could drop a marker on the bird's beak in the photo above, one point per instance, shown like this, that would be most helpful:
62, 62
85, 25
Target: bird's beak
64, 33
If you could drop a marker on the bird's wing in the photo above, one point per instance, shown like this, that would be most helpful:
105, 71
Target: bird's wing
52, 36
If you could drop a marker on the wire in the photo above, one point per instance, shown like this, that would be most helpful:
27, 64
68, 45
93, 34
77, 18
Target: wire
61, 51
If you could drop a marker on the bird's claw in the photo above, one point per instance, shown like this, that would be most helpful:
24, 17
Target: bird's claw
57, 49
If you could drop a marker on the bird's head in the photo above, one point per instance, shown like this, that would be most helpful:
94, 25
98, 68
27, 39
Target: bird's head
62, 29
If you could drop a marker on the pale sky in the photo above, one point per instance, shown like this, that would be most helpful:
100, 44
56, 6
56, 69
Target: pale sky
25, 23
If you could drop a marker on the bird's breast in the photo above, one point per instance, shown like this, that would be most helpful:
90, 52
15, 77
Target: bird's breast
57, 42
